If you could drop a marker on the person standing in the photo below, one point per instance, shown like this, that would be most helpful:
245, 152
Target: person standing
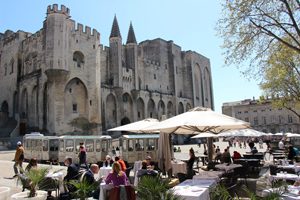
19, 157
82, 157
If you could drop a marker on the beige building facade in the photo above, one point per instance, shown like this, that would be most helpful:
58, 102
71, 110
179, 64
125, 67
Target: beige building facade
262, 116
63, 72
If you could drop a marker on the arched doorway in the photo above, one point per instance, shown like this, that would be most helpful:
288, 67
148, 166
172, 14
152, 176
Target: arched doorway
127, 106
4, 107
151, 109
111, 112
161, 109
180, 108
171, 111
125, 121
140, 109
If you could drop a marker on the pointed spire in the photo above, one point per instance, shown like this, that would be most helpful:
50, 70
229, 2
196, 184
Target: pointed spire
131, 35
115, 31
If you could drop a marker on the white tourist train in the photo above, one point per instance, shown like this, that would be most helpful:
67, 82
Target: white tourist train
55, 149
137, 146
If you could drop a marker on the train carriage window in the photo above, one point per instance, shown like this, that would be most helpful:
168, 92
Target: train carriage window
124, 145
130, 145
61, 145
77, 144
98, 145
89, 145
53, 144
104, 145
69, 145
139, 145
27, 144
150, 144
33, 144
45, 145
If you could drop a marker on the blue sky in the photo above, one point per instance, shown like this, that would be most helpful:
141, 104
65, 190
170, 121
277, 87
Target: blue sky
190, 24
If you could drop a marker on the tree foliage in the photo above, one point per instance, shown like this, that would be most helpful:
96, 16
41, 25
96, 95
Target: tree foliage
266, 33
282, 78
250, 27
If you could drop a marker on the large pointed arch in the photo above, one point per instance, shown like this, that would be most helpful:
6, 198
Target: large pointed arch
151, 109
24, 104
33, 108
171, 110
180, 108
76, 99
161, 109
140, 108
127, 106
4, 107
198, 87
207, 88
111, 112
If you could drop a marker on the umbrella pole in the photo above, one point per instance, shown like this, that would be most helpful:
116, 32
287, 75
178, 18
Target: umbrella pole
210, 148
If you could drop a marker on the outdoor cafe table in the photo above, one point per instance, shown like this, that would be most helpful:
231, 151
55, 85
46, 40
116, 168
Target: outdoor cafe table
227, 167
296, 168
292, 192
284, 176
178, 167
104, 171
192, 190
137, 165
103, 190
208, 175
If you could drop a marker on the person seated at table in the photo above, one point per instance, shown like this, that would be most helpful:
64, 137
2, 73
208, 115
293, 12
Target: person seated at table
291, 153
226, 158
254, 150
108, 161
32, 164
72, 174
281, 144
218, 156
117, 177
236, 155
121, 162
145, 170
150, 163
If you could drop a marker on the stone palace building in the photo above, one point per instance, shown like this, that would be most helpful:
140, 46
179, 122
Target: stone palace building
263, 116
63, 72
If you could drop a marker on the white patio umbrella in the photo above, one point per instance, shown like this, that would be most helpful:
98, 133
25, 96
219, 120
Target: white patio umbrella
136, 127
248, 132
205, 135
292, 135
198, 119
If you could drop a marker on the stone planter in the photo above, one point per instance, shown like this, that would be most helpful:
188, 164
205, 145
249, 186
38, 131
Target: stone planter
41, 195
4, 193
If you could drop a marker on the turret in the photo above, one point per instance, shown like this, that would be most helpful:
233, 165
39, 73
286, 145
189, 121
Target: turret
131, 54
131, 36
56, 25
115, 54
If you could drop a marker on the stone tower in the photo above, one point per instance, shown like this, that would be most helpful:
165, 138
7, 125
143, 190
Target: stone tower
131, 55
115, 55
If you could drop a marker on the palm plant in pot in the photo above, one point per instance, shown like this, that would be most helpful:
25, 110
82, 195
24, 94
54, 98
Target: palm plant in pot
152, 188
83, 188
30, 180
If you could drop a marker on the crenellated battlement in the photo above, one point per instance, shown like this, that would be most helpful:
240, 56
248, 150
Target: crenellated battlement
9, 36
85, 30
54, 9
34, 37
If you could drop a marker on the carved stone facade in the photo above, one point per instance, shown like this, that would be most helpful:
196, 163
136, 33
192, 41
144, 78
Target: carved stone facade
62, 72
262, 116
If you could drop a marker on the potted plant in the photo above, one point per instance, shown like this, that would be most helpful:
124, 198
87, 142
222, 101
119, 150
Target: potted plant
153, 187
84, 189
30, 180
